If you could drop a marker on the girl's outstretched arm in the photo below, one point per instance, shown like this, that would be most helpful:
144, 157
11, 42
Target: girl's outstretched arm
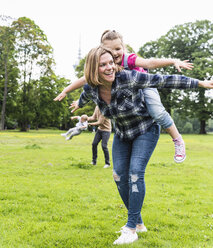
156, 63
75, 85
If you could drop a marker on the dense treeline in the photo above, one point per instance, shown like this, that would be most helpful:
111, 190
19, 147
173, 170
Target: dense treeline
194, 42
28, 83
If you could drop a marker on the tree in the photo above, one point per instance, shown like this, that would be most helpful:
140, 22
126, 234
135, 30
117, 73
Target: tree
8, 71
35, 59
49, 113
193, 41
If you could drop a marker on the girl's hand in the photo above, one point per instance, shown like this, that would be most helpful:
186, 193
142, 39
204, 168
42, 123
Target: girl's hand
183, 64
74, 106
206, 84
60, 96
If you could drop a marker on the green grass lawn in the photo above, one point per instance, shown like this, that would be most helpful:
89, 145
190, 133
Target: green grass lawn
50, 195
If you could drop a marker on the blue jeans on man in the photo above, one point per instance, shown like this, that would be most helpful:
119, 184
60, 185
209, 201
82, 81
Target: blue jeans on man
104, 136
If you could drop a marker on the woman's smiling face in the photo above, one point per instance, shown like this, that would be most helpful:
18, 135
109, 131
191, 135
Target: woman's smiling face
106, 70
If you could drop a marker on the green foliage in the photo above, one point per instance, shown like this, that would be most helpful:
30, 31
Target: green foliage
49, 199
80, 68
192, 41
31, 84
33, 49
8, 74
186, 124
48, 113
210, 125
129, 49
188, 127
35, 59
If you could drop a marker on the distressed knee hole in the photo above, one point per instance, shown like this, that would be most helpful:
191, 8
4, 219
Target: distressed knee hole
135, 188
134, 178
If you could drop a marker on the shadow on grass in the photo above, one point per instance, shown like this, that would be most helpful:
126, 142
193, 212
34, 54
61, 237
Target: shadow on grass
34, 146
162, 164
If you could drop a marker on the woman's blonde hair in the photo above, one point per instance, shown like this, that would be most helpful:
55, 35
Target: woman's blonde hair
92, 65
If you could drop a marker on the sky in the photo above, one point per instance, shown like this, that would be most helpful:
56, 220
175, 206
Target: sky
68, 23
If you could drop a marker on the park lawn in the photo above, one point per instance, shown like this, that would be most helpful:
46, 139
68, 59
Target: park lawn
50, 195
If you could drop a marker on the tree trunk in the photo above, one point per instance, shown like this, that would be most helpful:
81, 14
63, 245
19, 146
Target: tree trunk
202, 127
3, 110
23, 121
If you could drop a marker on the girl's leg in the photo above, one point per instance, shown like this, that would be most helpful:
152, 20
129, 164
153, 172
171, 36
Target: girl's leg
157, 110
162, 117
173, 132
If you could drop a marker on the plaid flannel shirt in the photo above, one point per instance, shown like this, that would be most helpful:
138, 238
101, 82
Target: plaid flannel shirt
127, 107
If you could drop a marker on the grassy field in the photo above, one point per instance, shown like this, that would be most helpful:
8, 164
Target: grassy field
50, 195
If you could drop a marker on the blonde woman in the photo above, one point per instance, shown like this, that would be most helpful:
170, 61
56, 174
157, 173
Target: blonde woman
117, 94
114, 41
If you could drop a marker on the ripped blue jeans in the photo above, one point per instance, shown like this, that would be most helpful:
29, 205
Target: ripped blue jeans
130, 159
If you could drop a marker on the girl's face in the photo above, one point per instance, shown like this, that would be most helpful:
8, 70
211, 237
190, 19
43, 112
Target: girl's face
106, 69
117, 49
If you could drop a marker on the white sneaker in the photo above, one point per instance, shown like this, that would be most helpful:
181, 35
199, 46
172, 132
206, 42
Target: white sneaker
64, 134
180, 151
140, 230
106, 166
127, 237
